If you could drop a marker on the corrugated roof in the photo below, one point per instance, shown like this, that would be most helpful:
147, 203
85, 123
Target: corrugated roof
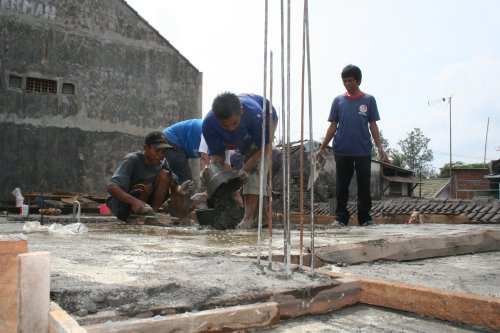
432, 187
478, 211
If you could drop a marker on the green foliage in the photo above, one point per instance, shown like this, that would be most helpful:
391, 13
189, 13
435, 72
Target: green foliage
396, 158
415, 152
445, 169
385, 146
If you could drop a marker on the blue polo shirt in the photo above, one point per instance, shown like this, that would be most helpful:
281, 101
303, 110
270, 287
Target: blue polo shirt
250, 129
187, 135
353, 115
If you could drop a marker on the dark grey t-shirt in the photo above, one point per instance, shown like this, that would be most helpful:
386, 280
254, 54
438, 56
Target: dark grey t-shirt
133, 170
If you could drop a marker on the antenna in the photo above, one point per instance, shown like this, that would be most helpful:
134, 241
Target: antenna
435, 101
441, 100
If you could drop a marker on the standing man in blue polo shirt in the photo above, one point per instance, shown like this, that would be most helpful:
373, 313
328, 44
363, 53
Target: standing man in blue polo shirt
235, 121
353, 116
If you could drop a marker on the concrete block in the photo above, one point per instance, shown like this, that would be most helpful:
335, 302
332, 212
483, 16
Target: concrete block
34, 292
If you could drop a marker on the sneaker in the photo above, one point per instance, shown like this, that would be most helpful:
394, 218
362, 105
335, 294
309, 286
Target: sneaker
367, 223
245, 224
337, 224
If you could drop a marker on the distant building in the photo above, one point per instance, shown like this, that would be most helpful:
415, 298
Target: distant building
387, 181
81, 83
469, 183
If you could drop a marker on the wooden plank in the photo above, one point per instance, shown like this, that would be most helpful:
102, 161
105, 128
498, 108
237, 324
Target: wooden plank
424, 218
444, 305
416, 247
34, 290
61, 322
242, 318
13, 246
314, 299
317, 300
8, 292
319, 219
9, 283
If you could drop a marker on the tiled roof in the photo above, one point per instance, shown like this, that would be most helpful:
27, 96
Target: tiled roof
431, 187
478, 211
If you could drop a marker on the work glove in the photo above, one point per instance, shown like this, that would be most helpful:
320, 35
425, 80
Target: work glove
187, 188
200, 200
243, 176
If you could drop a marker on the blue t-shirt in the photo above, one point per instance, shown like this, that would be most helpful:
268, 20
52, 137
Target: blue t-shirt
353, 115
249, 132
186, 134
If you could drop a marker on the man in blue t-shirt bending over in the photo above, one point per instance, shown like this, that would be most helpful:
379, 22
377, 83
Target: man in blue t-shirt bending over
185, 137
353, 117
235, 121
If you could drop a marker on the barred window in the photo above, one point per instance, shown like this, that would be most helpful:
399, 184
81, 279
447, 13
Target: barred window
15, 81
41, 85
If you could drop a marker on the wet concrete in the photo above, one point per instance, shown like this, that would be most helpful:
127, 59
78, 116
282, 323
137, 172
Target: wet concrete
132, 268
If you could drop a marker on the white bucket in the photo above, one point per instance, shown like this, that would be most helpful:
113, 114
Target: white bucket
24, 210
19, 201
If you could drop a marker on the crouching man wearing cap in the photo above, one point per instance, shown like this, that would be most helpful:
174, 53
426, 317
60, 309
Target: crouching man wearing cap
143, 181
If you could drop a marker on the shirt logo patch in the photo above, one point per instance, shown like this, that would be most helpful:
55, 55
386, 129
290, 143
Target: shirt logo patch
363, 108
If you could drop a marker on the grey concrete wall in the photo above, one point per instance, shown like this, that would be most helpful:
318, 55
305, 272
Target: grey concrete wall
128, 81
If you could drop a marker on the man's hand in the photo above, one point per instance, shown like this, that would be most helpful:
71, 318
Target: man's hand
186, 188
243, 176
140, 207
382, 156
319, 154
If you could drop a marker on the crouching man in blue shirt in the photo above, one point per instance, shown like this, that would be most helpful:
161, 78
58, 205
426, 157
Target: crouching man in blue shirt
235, 122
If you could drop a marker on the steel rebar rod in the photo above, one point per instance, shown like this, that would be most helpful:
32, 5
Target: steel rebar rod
270, 170
286, 232
263, 137
301, 151
288, 149
311, 143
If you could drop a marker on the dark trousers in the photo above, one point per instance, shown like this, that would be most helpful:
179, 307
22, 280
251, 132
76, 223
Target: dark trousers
179, 164
346, 165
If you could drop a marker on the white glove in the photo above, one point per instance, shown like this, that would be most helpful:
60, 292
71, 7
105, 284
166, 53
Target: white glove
187, 188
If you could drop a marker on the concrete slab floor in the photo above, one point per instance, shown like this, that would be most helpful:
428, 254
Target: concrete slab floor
151, 256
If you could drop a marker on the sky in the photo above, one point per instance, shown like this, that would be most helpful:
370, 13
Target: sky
410, 53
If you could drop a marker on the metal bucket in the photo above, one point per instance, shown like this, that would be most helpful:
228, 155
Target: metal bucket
216, 175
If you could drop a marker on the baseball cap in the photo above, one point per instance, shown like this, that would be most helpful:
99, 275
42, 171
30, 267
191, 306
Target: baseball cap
157, 139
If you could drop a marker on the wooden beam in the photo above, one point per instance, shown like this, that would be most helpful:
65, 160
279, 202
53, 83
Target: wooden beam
317, 300
440, 304
319, 219
9, 283
61, 322
424, 218
13, 246
242, 318
34, 291
416, 247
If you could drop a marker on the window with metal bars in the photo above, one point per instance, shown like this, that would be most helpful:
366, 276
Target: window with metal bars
41, 85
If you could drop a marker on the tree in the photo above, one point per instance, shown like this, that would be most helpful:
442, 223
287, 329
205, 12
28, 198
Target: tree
416, 154
445, 170
385, 146
396, 158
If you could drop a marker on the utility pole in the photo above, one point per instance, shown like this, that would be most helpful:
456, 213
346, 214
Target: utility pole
434, 102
